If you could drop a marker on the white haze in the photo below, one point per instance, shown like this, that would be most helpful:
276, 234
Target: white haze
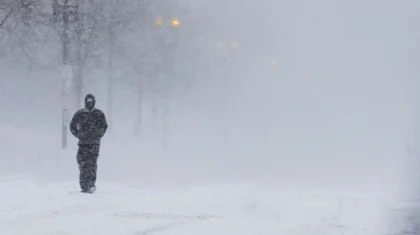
336, 111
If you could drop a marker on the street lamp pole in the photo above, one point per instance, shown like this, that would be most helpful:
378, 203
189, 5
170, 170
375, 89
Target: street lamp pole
66, 11
166, 78
170, 82
228, 52
140, 84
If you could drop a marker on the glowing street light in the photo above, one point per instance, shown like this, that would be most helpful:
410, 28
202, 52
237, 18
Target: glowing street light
234, 45
160, 22
175, 23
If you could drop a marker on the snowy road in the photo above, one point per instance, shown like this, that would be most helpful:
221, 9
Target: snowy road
28, 207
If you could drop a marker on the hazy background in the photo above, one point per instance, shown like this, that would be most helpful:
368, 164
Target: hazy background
315, 93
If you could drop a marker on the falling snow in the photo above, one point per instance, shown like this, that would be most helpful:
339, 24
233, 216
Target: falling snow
209, 117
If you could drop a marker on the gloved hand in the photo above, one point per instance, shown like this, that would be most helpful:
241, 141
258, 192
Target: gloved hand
81, 136
101, 133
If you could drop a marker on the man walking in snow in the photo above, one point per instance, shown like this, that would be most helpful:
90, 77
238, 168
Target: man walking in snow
89, 126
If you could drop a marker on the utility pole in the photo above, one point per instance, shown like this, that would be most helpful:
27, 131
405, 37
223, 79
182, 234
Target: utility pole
69, 14
140, 83
110, 23
169, 78
78, 77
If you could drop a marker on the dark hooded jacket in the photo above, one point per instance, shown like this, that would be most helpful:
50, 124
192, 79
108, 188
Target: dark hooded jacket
88, 125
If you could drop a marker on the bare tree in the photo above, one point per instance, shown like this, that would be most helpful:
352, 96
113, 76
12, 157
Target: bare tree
17, 9
21, 24
112, 36
119, 20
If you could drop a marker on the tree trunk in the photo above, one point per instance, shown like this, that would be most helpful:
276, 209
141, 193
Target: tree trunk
111, 78
66, 75
78, 78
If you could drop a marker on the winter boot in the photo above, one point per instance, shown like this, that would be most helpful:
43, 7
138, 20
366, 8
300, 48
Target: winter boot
92, 189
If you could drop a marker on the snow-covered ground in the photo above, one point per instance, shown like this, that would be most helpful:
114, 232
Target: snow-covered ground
39, 194
30, 207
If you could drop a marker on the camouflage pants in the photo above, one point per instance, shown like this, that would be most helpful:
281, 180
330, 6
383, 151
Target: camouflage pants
87, 158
